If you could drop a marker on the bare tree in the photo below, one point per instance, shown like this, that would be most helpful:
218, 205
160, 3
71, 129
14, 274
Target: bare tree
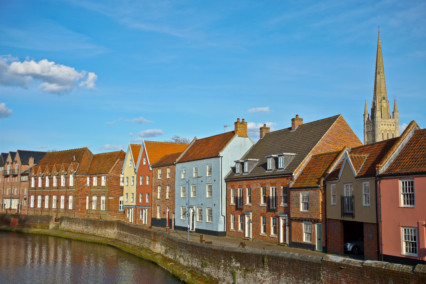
178, 139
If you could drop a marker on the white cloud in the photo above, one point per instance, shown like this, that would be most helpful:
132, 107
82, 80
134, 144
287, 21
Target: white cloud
253, 127
131, 134
55, 78
111, 147
402, 128
4, 111
259, 109
149, 133
140, 120
111, 122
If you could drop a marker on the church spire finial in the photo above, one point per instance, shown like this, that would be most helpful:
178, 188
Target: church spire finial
380, 93
395, 108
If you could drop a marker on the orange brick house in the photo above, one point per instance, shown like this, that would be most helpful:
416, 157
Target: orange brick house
307, 202
258, 204
150, 153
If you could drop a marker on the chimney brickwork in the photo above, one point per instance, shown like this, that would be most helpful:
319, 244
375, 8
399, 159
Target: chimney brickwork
296, 121
241, 127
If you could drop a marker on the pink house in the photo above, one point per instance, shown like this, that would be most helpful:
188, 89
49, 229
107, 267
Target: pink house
402, 203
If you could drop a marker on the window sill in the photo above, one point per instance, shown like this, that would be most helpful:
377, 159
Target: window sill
263, 234
409, 254
262, 205
407, 206
248, 204
283, 205
273, 236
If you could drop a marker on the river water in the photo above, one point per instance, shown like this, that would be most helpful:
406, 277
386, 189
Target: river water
27, 258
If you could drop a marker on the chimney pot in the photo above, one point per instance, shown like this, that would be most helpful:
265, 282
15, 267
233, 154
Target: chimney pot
296, 122
263, 130
241, 128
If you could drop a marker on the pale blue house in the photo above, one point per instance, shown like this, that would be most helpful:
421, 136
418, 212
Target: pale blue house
200, 197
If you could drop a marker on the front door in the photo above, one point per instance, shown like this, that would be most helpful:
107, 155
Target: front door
191, 219
131, 215
247, 226
319, 237
282, 230
145, 216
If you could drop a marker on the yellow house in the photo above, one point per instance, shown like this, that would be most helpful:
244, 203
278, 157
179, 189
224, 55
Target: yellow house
129, 180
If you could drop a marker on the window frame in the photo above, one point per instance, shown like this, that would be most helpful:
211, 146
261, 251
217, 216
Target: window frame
209, 215
366, 195
333, 194
193, 193
307, 236
401, 193
304, 202
209, 193
404, 241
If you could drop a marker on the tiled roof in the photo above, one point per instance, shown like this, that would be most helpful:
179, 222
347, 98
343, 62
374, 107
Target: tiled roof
135, 152
12, 156
315, 170
375, 152
358, 160
102, 163
334, 174
300, 142
156, 150
412, 158
62, 159
26, 155
167, 160
208, 147
3, 158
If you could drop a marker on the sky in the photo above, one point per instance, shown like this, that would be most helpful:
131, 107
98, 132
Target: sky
103, 74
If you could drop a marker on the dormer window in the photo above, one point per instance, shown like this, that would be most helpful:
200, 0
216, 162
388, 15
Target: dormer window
246, 167
238, 168
281, 162
269, 162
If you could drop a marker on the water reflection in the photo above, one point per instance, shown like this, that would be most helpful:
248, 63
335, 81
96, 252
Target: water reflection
42, 259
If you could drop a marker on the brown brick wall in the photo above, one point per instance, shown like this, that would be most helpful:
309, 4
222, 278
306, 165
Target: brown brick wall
370, 241
163, 202
255, 207
335, 237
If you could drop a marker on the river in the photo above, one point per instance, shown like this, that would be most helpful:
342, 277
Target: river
27, 258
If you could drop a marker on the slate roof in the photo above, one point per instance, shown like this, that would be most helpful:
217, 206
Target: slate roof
316, 168
135, 152
167, 160
12, 155
102, 163
156, 150
300, 141
25, 156
208, 147
412, 158
3, 158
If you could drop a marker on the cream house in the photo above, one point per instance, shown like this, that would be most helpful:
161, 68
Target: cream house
129, 181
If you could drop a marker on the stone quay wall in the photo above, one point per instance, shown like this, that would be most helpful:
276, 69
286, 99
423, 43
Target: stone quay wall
233, 265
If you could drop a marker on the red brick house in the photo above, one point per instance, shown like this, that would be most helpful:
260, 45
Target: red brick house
402, 202
307, 202
14, 182
163, 191
151, 152
257, 187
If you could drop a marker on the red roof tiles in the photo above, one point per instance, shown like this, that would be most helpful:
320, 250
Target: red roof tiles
156, 150
102, 163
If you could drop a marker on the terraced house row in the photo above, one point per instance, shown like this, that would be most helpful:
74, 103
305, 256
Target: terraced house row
310, 185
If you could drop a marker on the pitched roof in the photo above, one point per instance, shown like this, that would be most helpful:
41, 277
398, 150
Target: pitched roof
358, 160
208, 147
3, 158
25, 156
412, 158
156, 150
12, 155
167, 160
64, 158
316, 168
102, 163
135, 152
300, 142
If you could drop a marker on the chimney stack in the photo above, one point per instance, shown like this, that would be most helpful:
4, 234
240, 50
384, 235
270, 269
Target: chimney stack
241, 128
264, 130
295, 122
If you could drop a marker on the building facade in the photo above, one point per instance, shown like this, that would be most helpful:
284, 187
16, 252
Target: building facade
129, 173
379, 124
200, 199
258, 185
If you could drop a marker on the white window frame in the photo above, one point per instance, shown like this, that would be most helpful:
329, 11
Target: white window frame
304, 201
284, 196
32, 182
87, 202
159, 192
54, 200
47, 182
62, 201
159, 173
133, 180
39, 201
103, 203
273, 197
70, 202
127, 197
407, 193
94, 202
208, 170
158, 212
194, 171
199, 214
127, 181
209, 190
168, 173
103, 180
182, 191
274, 229
193, 191
366, 193
263, 225
39, 181
132, 197
183, 213
333, 194
248, 196
144, 161
245, 166
232, 222
62, 180
238, 168
120, 204
46, 202
147, 198
140, 180
183, 173
71, 180
32, 201
147, 180
232, 199
209, 215
307, 232
263, 195
55, 181
167, 192
281, 162
240, 223
410, 241
140, 197
269, 161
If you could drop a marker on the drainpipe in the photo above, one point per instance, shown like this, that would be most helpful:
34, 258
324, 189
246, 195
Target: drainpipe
379, 219
221, 202
324, 186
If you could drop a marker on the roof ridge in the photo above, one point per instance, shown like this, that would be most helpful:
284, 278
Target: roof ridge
307, 123
326, 153
215, 135
168, 142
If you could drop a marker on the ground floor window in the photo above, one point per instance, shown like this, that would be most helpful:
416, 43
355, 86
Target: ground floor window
200, 214
46, 201
273, 226
54, 200
120, 204
409, 241
62, 201
209, 215
103, 202
241, 223
307, 232
182, 213
70, 200
263, 225
32, 201
158, 212
232, 222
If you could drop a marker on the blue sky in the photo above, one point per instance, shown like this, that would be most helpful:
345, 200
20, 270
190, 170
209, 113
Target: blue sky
104, 74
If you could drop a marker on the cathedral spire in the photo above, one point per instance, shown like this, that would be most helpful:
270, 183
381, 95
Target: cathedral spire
379, 78
365, 111
395, 108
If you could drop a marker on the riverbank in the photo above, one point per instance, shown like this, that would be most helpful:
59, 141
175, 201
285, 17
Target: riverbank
208, 262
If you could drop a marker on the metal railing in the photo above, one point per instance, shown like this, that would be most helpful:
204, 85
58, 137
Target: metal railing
348, 206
